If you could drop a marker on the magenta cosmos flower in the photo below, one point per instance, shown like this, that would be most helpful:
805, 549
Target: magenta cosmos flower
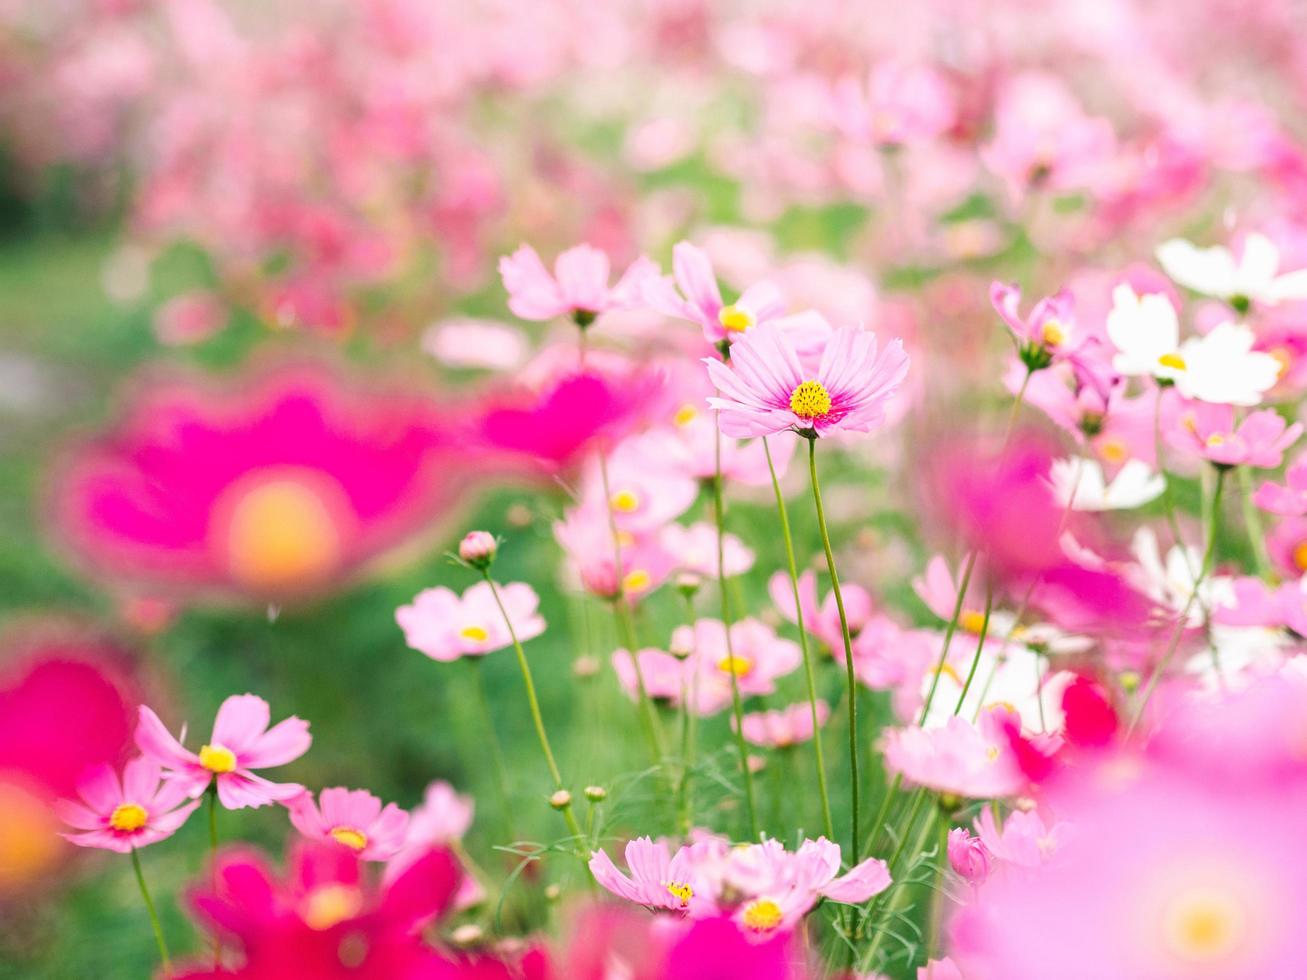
446, 626
354, 819
765, 389
578, 287
122, 814
1211, 433
241, 742
270, 488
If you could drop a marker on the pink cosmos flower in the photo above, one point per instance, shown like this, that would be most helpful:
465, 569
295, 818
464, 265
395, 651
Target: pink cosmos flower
1290, 498
442, 818
961, 758
968, 856
123, 815
1254, 603
354, 819
1025, 839
469, 343
241, 742
1209, 431
269, 488
691, 293
446, 626
586, 537
902, 104
757, 658
641, 498
765, 389
1286, 545
577, 288
658, 879
695, 550
783, 727
822, 620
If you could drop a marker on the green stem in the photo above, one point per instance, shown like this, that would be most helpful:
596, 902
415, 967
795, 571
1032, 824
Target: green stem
154, 915
854, 836
688, 715
1252, 522
808, 671
737, 708
212, 793
492, 739
534, 703
898, 891
980, 645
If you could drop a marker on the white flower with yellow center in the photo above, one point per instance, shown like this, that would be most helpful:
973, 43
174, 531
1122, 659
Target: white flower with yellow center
1146, 333
1213, 271
1080, 484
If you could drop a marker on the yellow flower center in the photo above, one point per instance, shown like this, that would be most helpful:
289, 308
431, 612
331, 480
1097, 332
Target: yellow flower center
735, 664
762, 915
1172, 360
971, 620
681, 890
217, 758
735, 319
1215, 440
1053, 333
477, 634
352, 838
625, 502
331, 905
281, 532
128, 817
1300, 556
1203, 925
637, 580
1113, 450
1284, 358
685, 415
810, 400
992, 753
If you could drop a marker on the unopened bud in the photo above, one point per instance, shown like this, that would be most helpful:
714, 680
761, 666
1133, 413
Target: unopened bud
478, 549
561, 800
585, 666
552, 892
687, 583
596, 794
468, 934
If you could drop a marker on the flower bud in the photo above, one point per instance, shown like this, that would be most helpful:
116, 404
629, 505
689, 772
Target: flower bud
968, 855
552, 893
596, 794
586, 666
478, 549
687, 583
561, 800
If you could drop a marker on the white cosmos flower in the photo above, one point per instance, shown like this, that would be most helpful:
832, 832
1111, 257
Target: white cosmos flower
1146, 333
1081, 485
1214, 272
1223, 368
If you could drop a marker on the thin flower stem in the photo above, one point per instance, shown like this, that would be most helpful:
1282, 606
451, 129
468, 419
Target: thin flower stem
1252, 522
855, 830
980, 645
803, 644
1164, 662
534, 703
212, 793
154, 915
683, 802
737, 709
898, 891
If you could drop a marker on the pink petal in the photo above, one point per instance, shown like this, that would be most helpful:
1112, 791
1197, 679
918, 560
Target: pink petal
76, 815
100, 788
241, 719
283, 743
154, 739
694, 274
240, 789
869, 878
141, 780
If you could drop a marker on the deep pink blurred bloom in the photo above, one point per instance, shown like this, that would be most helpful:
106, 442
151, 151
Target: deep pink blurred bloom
445, 626
1210, 432
241, 742
326, 919
352, 819
1089, 718
765, 389
123, 814
1290, 498
578, 286
271, 487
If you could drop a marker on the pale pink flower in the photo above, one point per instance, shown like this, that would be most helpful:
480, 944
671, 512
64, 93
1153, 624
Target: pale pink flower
241, 742
1210, 432
666, 677
1290, 498
1251, 602
823, 620
658, 879
446, 626
690, 446
695, 550
781, 728
577, 288
1286, 545
1025, 839
757, 658
967, 760
944, 969
642, 498
967, 855
691, 293
466, 342
766, 390
586, 537
122, 815
442, 818
354, 819
902, 104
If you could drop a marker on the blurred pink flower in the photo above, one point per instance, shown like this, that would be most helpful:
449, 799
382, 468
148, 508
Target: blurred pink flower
466, 342
1290, 498
586, 538
577, 288
124, 815
766, 390
968, 856
901, 105
241, 742
822, 620
781, 728
271, 488
695, 550
1286, 546
189, 318
1210, 432
445, 626
974, 761
353, 819
1024, 840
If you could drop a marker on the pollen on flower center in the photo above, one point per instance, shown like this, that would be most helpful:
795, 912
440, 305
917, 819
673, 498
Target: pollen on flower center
128, 817
762, 915
625, 501
330, 905
1172, 361
1053, 333
477, 634
735, 664
637, 580
217, 758
1203, 925
1215, 439
679, 889
351, 837
810, 400
735, 319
